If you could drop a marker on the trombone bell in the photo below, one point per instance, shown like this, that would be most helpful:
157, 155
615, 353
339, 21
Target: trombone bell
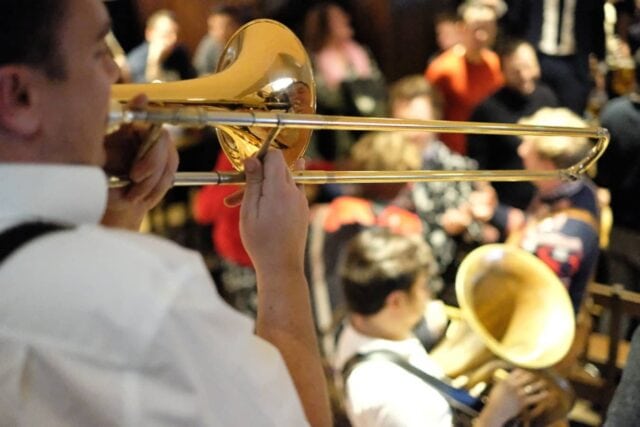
263, 68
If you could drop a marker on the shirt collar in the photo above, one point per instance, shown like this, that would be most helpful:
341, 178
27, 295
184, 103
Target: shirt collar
354, 342
72, 194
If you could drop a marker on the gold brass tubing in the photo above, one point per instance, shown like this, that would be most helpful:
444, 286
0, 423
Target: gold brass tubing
376, 177
201, 116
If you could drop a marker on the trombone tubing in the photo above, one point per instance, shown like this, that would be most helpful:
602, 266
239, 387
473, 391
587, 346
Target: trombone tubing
205, 116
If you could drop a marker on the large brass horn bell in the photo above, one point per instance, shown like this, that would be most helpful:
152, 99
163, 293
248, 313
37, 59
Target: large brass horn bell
513, 307
514, 312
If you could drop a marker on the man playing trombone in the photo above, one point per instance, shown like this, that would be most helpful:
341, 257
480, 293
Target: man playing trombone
104, 326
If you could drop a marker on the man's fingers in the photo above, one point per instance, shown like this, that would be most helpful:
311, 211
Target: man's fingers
157, 143
234, 199
299, 165
253, 187
138, 102
275, 168
537, 404
521, 377
165, 181
148, 178
154, 134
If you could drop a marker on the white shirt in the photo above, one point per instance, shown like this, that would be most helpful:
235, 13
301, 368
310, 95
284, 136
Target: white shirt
557, 35
101, 327
381, 393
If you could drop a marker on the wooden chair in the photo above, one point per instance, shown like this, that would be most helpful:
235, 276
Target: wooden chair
605, 351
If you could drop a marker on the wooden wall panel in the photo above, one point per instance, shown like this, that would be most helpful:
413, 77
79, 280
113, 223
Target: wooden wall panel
400, 33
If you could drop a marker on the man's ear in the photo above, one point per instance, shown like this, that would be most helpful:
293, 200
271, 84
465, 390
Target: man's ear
17, 110
396, 299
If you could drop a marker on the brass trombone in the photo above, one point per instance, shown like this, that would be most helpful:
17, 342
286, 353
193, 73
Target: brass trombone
264, 93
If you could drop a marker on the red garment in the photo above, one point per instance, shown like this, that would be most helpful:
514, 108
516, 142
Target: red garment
352, 210
463, 85
209, 208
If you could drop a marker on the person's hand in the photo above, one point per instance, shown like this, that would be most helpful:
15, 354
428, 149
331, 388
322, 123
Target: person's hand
456, 220
521, 393
148, 157
274, 215
490, 234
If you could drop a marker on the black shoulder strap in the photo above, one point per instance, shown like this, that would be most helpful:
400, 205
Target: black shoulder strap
14, 237
459, 399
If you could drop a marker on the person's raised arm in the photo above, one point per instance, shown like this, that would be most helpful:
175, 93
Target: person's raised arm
274, 219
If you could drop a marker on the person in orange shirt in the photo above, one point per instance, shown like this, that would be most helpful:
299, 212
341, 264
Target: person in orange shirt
469, 71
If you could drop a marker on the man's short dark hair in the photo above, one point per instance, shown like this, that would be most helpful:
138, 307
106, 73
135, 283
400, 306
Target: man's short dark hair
510, 46
377, 262
30, 34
